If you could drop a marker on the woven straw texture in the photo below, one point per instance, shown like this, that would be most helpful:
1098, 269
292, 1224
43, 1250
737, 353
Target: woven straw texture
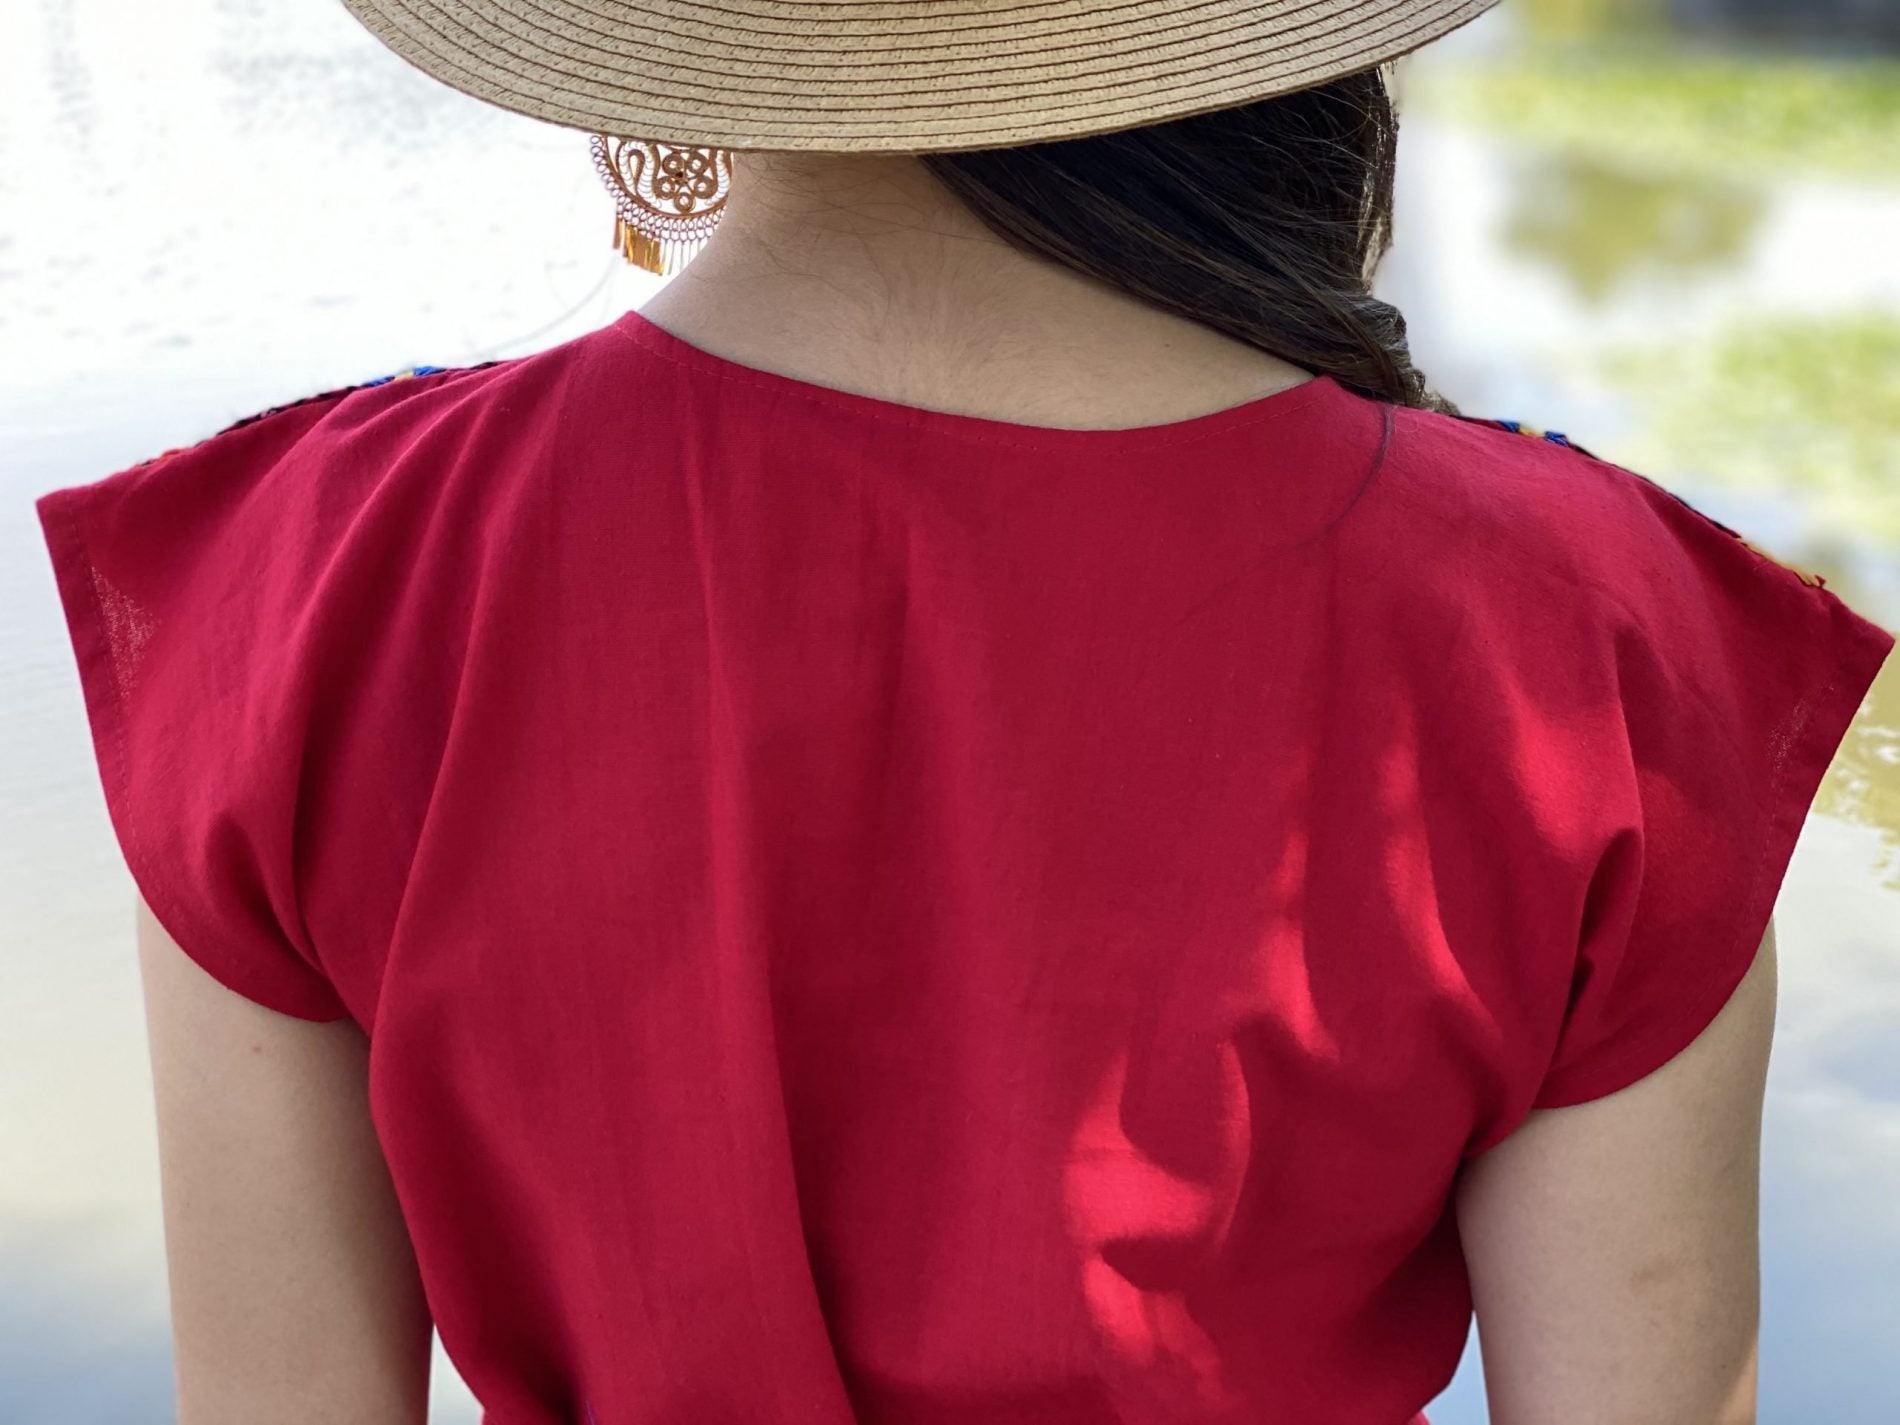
866, 75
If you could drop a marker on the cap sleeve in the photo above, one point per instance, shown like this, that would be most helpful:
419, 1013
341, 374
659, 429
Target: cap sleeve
1736, 677
182, 580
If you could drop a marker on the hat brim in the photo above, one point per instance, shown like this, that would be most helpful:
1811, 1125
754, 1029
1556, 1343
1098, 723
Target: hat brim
852, 76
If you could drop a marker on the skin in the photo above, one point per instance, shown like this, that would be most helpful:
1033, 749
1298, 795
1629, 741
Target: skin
294, 1292
861, 272
1613, 1244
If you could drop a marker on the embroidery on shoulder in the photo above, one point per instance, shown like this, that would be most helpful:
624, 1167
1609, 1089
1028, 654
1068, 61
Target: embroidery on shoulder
1815, 581
407, 373
1553, 437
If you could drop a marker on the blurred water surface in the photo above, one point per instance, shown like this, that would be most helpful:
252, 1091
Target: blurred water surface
212, 206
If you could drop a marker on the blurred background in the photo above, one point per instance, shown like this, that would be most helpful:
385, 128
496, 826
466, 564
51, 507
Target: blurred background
1669, 228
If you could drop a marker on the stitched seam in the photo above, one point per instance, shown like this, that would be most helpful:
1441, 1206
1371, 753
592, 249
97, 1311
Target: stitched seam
1553, 437
120, 797
335, 393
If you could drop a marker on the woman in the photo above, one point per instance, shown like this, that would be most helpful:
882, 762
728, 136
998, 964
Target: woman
986, 811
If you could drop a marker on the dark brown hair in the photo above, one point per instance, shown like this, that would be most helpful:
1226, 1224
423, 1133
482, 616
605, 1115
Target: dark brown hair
1264, 221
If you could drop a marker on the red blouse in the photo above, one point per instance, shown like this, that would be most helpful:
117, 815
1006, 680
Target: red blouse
864, 913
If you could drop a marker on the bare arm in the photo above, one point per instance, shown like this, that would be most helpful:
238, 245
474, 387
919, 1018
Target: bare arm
295, 1297
1614, 1245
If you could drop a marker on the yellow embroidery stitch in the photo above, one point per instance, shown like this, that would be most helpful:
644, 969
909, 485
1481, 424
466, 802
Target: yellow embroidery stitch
1813, 580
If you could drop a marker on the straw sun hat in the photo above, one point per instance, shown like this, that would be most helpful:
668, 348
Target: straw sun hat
909, 76
896, 76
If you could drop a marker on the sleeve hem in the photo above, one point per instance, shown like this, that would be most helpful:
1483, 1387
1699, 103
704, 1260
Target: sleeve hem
1803, 763
99, 688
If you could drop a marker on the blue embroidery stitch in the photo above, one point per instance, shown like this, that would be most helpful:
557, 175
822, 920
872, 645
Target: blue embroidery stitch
405, 374
1557, 437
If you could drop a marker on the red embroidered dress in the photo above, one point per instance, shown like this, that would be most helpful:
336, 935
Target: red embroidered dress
866, 913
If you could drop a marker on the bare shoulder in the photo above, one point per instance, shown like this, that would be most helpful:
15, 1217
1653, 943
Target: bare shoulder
1613, 1245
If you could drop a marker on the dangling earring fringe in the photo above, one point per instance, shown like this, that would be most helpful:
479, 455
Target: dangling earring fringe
638, 248
666, 200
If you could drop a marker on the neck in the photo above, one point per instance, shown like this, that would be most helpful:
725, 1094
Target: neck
862, 271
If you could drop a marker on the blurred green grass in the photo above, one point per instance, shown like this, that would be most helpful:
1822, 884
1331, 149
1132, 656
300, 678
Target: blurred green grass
1650, 152
1682, 109
1807, 404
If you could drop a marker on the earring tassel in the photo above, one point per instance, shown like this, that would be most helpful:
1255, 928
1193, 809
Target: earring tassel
641, 249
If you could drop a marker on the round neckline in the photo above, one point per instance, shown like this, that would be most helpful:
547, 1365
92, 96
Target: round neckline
1275, 405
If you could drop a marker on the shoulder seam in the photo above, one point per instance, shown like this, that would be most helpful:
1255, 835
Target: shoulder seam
295, 403
1552, 437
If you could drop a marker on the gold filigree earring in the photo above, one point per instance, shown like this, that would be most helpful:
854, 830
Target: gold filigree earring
667, 199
